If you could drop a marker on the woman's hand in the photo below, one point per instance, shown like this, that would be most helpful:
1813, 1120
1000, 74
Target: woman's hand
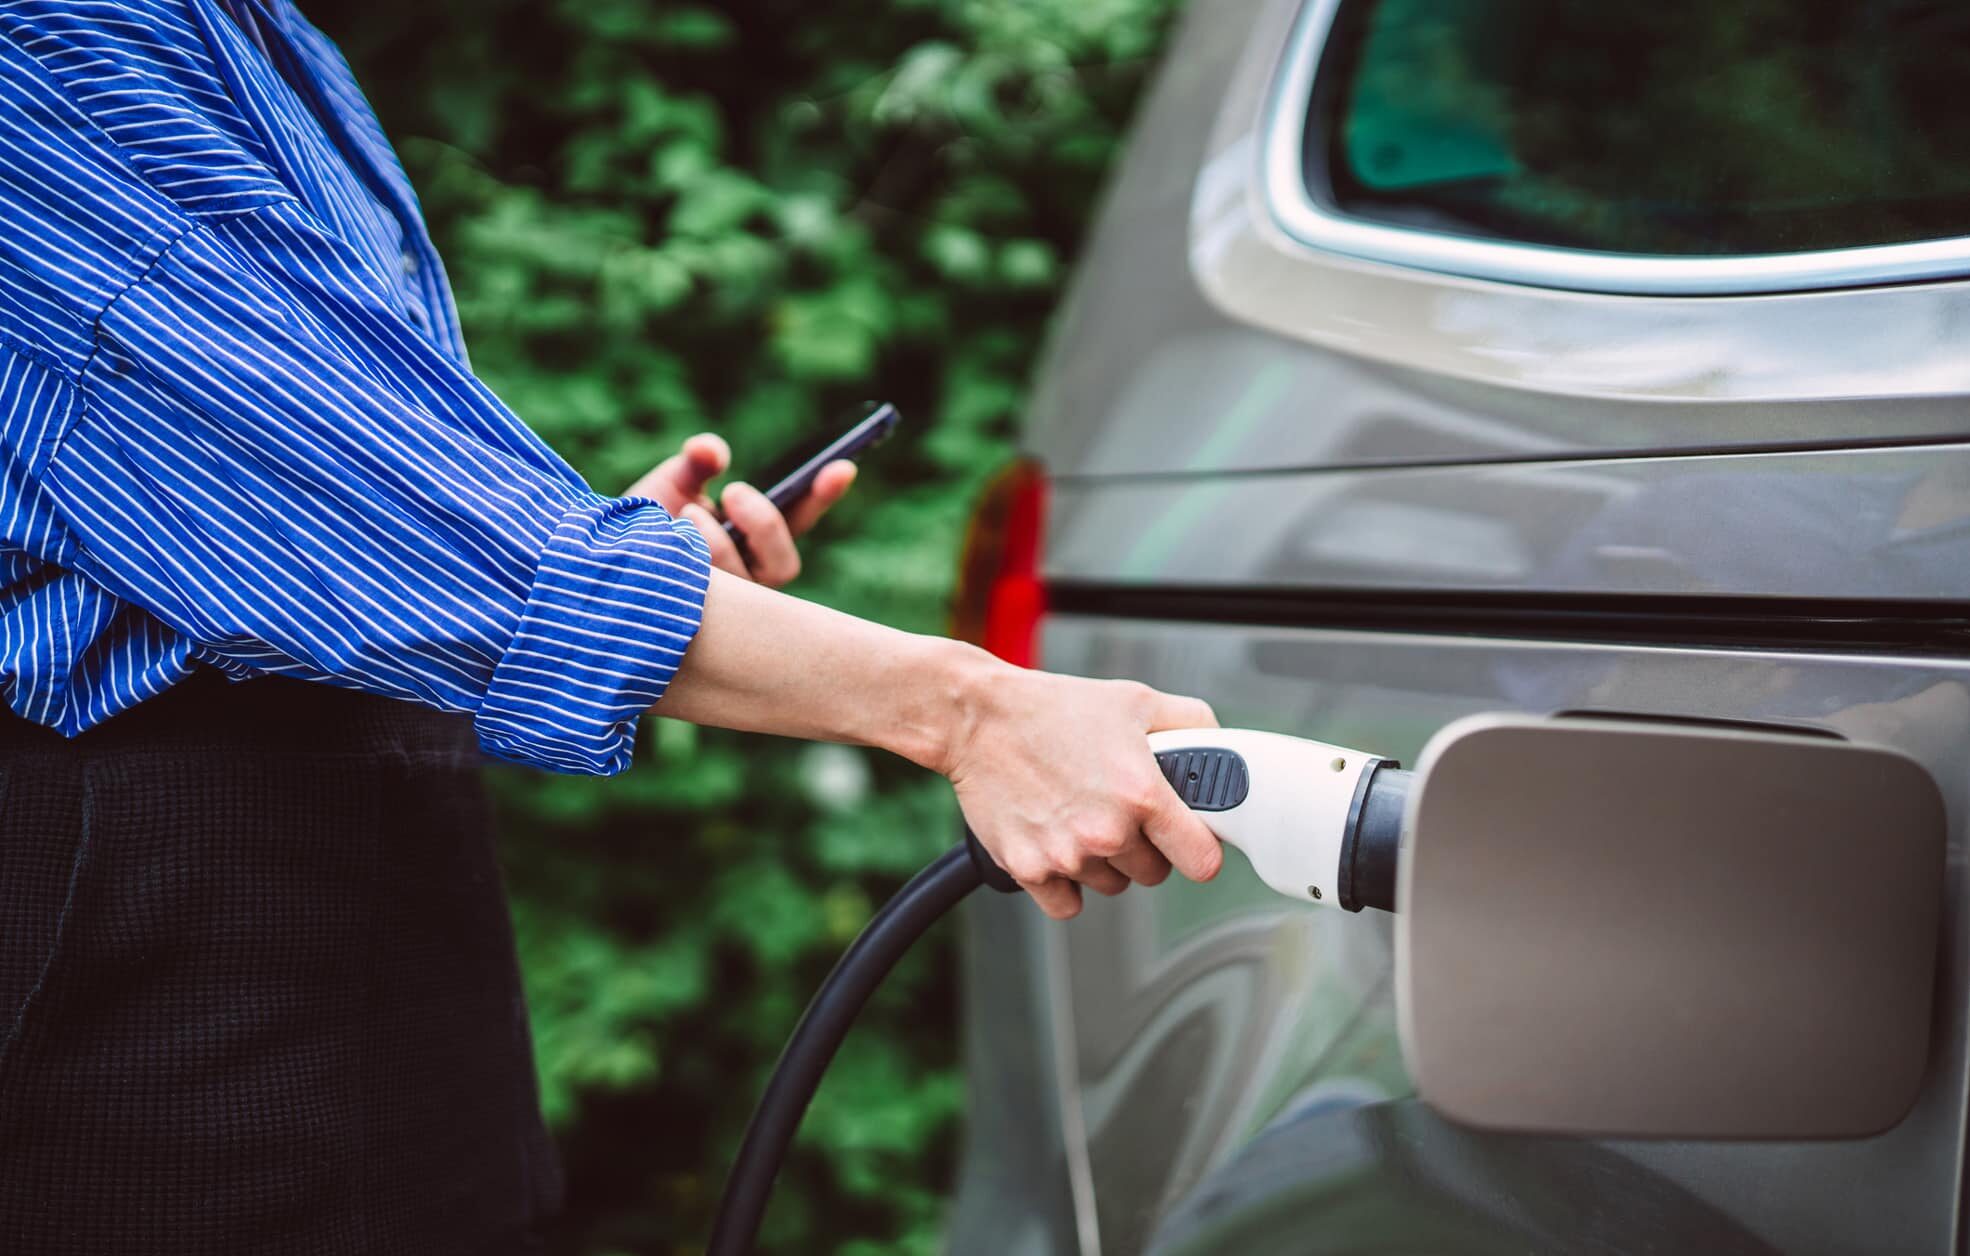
678, 485
1055, 776
1054, 773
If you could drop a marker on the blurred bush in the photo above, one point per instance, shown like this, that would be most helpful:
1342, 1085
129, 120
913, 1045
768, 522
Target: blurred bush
661, 218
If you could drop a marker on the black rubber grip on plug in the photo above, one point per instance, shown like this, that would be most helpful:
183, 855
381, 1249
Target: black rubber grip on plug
989, 872
1207, 778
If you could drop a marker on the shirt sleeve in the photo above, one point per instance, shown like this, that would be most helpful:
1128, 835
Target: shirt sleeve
272, 460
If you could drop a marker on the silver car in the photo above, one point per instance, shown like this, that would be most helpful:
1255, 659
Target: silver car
1440, 357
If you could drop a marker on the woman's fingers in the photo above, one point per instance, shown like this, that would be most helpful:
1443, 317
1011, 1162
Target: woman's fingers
1101, 876
681, 478
1169, 710
770, 556
1056, 777
678, 484
724, 554
831, 484
1058, 898
1185, 840
769, 542
1171, 827
1142, 863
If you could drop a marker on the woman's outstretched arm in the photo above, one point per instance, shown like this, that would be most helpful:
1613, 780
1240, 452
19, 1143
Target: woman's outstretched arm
1052, 772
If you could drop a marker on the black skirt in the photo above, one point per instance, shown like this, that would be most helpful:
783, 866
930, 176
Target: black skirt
257, 985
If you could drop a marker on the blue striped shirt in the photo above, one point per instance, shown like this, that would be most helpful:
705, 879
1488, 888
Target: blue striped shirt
237, 425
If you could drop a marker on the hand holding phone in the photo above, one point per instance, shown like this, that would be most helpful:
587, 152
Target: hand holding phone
679, 484
793, 479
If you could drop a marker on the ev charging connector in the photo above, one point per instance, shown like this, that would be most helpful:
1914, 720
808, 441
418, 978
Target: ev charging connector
1319, 823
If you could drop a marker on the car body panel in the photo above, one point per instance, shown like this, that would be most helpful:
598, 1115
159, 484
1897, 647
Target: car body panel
1244, 434
1876, 523
1206, 1020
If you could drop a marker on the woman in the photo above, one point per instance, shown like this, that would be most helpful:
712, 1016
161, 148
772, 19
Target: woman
277, 570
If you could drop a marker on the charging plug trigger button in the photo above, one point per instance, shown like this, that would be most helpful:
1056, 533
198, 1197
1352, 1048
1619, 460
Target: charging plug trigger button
1207, 778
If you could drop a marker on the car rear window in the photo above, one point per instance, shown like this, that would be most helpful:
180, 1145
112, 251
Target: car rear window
1695, 127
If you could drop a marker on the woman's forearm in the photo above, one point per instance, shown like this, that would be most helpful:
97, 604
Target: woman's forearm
1052, 772
765, 662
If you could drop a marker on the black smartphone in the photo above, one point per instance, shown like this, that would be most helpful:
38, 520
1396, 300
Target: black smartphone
793, 483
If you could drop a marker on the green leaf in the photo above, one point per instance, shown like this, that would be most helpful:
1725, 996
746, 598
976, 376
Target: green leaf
693, 28
762, 907
834, 333
716, 201
1028, 263
958, 253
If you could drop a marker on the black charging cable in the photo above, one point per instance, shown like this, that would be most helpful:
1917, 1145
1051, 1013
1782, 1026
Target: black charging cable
1371, 839
894, 929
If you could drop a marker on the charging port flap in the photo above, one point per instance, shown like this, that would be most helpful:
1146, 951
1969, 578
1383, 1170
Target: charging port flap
1649, 929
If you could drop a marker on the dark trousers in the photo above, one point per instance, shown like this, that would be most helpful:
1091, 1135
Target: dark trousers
257, 985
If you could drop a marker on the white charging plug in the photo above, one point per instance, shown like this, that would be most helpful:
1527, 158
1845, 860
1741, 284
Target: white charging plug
1294, 807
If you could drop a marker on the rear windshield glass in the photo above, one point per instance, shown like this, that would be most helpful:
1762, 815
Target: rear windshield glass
1677, 128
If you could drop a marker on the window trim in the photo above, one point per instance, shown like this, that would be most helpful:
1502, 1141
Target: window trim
1294, 209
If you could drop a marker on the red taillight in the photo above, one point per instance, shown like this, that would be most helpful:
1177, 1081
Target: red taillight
1000, 594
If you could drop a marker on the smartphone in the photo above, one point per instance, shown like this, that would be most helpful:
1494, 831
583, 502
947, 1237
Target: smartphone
789, 487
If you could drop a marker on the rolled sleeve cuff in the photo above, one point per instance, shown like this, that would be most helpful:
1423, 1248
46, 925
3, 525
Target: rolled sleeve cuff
618, 596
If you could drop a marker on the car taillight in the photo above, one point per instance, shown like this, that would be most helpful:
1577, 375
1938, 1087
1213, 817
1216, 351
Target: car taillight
1001, 597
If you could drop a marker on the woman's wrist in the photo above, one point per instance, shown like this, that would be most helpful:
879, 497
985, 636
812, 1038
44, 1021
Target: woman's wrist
941, 690
768, 663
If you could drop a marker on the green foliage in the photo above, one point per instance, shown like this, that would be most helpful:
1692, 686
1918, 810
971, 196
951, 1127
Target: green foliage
662, 218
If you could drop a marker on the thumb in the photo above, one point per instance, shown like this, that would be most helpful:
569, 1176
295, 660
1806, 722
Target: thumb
681, 478
1185, 840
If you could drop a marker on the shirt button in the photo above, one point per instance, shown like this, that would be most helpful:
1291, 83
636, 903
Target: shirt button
408, 262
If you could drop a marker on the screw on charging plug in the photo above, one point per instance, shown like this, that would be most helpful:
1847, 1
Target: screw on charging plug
1315, 891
